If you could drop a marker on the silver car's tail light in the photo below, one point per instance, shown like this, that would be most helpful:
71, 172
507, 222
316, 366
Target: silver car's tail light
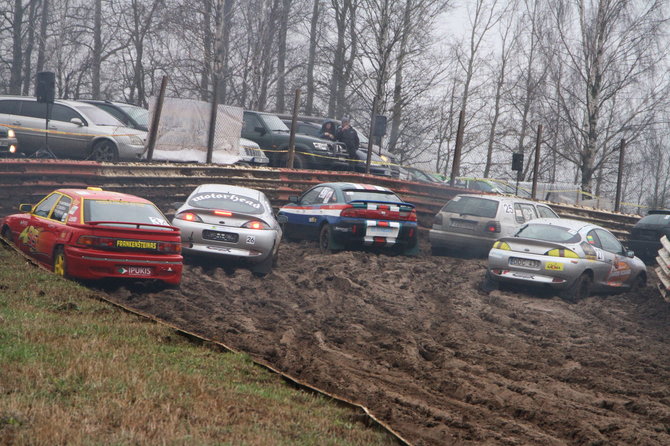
188, 216
502, 245
255, 224
562, 252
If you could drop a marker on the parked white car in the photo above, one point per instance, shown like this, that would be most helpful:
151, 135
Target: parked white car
76, 130
471, 223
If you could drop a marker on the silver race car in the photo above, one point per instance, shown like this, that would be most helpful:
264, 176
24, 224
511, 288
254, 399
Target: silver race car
571, 256
230, 221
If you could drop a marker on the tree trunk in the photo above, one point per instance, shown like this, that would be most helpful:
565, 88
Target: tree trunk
398, 103
311, 60
224, 51
17, 50
343, 107
27, 73
97, 50
341, 15
207, 49
281, 56
41, 48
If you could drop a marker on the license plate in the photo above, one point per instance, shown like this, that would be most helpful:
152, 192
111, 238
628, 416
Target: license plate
136, 244
381, 229
137, 271
220, 236
553, 266
526, 263
462, 224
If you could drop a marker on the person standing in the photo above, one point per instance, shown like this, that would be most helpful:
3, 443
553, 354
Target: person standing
348, 136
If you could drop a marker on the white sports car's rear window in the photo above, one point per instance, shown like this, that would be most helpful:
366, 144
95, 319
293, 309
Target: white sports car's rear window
226, 201
549, 233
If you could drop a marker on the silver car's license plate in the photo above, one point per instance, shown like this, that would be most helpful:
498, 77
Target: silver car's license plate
220, 236
526, 263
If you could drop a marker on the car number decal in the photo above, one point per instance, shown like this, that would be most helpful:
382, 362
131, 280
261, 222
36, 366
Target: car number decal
158, 221
599, 254
509, 209
251, 239
554, 266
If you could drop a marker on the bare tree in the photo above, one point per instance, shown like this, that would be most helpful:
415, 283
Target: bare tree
608, 55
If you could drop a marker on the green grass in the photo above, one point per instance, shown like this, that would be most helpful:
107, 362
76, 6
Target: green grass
75, 370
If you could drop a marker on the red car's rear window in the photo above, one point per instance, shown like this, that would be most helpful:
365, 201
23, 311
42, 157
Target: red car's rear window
123, 212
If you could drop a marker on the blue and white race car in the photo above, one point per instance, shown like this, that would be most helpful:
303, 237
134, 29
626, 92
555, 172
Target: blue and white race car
348, 215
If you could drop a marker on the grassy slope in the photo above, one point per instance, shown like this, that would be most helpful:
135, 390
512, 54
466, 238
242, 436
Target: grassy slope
74, 370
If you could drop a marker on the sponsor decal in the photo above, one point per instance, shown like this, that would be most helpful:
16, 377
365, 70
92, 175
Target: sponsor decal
226, 197
554, 266
619, 273
135, 270
138, 244
30, 237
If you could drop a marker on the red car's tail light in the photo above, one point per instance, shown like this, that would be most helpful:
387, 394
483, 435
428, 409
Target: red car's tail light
169, 247
188, 216
91, 241
255, 224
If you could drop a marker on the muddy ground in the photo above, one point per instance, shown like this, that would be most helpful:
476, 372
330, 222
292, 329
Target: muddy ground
442, 363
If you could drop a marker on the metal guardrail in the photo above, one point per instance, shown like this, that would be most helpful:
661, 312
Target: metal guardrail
663, 268
26, 180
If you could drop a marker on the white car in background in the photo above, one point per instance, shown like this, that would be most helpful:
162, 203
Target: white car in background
75, 130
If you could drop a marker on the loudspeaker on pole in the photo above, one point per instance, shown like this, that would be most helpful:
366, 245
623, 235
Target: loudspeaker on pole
45, 88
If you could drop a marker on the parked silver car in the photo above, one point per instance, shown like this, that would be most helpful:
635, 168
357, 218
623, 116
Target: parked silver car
218, 220
472, 223
76, 130
571, 256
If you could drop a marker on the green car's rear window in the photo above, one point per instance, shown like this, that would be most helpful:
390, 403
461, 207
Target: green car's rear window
549, 233
475, 206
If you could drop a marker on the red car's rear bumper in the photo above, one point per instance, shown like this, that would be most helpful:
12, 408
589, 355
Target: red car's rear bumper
95, 264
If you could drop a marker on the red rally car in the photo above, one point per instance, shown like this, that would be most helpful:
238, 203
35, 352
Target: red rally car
91, 234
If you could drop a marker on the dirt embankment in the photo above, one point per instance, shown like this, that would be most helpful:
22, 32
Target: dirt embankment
416, 342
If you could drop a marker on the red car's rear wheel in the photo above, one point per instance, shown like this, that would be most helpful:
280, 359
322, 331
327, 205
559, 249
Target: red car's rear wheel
60, 263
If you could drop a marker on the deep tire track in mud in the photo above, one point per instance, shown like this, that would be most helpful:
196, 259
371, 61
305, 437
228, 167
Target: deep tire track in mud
415, 341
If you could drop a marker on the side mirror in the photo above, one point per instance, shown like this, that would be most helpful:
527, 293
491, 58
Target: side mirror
293, 199
260, 130
26, 207
77, 121
630, 254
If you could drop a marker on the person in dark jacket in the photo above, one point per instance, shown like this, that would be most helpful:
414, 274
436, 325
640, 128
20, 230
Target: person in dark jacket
348, 136
328, 131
